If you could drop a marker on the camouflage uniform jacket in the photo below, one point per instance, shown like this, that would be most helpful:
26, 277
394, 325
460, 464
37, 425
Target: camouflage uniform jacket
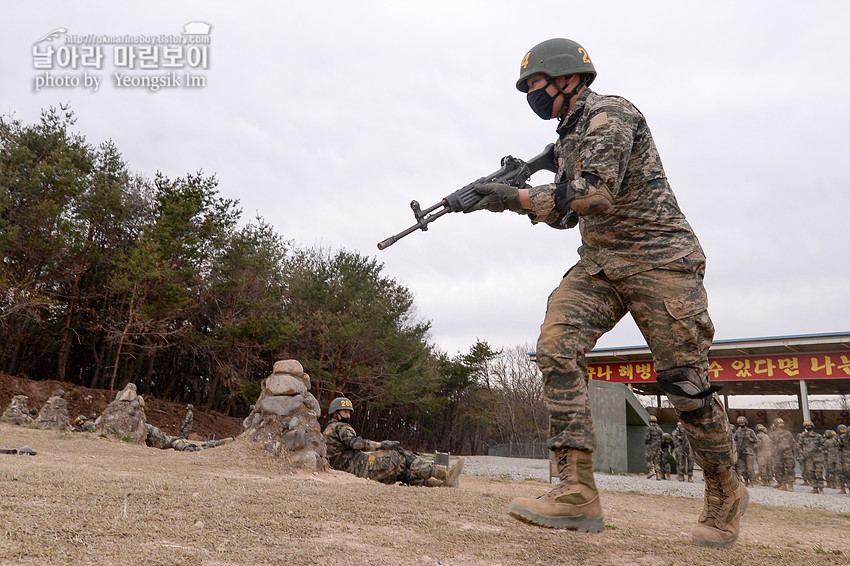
832, 448
844, 442
680, 439
783, 441
765, 447
343, 444
644, 228
746, 440
811, 446
653, 436
187, 422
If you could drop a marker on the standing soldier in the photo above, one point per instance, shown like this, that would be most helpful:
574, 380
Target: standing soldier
783, 455
684, 459
746, 443
662, 466
186, 427
638, 256
653, 446
844, 441
832, 447
764, 455
803, 461
811, 451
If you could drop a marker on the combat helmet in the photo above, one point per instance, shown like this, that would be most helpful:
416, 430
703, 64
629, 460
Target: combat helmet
742, 421
828, 433
339, 404
842, 429
653, 419
761, 428
808, 425
556, 58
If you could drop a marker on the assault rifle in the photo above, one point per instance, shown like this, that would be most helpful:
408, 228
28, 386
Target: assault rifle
514, 172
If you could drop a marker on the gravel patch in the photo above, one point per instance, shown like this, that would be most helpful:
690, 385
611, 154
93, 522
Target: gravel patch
528, 469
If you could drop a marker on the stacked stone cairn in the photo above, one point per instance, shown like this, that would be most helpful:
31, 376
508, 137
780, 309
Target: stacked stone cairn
54, 414
124, 417
18, 411
285, 418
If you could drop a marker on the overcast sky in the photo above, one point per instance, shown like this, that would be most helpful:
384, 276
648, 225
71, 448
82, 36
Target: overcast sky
328, 118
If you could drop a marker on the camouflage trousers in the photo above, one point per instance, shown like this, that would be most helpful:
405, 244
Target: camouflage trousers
684, 461
652, 452
783, 466
833, 471
662, 462
765, 462
746, 466
814, 470
669, 306
390, 466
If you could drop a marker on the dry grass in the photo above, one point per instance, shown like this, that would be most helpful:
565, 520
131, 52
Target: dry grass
90, 500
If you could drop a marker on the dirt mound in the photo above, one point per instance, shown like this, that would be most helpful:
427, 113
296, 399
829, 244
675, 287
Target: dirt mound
84, 401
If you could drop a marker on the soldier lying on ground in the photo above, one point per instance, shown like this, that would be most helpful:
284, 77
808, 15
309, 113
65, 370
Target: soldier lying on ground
158, 439
386, 462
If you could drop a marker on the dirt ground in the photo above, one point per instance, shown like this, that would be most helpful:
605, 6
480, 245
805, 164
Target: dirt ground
84, 401
87, 499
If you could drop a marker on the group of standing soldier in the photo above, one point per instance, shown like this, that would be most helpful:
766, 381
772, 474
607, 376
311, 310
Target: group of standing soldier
662, 446
765, 456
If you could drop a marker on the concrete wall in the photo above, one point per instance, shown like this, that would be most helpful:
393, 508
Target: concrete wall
620, 422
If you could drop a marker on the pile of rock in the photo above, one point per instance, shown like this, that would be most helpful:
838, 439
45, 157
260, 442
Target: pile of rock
54, 414
285, 418
125, 416
18, 411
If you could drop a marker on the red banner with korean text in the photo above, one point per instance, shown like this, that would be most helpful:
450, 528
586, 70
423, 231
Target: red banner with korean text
744, 368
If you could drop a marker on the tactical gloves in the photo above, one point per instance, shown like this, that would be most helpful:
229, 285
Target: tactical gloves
390, 444
497, 197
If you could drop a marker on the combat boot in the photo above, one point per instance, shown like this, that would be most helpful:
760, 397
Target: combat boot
726, 500
843, 490
691, 479
449, 476
574, 504
680, 477
814, 490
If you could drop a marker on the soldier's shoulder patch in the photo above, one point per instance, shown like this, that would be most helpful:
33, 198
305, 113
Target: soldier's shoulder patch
597, 121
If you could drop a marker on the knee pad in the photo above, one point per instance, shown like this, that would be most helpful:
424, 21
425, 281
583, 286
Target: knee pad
686, 389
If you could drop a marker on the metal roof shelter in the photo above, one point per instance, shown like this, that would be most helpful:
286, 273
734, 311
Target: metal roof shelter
813, 364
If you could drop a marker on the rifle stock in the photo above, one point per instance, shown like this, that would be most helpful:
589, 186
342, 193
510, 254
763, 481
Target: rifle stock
514, 172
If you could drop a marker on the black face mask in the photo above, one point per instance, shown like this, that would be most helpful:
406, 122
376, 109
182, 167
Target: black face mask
541, 102
346, 420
